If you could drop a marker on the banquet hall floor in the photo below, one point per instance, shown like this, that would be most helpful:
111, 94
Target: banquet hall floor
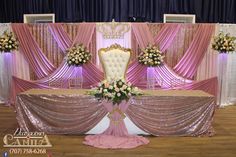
222, 144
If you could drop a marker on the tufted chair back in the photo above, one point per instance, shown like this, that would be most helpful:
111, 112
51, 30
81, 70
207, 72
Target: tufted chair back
115, 60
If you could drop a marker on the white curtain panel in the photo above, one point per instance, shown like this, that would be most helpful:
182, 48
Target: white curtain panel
228, 75
11, 64
231, 81
4, 77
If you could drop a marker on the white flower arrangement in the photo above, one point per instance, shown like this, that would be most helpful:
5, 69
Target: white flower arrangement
78, 55
151, 56
116, 91
224, 43
8, 42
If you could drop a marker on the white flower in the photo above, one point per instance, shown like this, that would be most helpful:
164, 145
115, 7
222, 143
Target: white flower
105, 90
110, 95
124, 86
135, 88
129, 84
118, 94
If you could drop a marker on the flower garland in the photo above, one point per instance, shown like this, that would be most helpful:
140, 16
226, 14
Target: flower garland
116, 91
8, 42
224, 43
78, 55
151, 56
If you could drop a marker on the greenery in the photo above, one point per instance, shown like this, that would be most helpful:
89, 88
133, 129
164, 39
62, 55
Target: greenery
116, 91
78, 55
224, 43
8, 42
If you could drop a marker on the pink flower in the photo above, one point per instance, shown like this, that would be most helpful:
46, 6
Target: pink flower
117, 89
106, 84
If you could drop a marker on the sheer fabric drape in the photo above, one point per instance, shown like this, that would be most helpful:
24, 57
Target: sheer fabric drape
11, 64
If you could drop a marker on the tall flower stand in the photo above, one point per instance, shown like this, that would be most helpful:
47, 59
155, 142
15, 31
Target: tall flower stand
222, 75
150, 78
6, 68
116, 135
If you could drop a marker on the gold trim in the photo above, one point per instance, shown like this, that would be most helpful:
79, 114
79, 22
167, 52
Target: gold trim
116, 122
113, 30
113, 47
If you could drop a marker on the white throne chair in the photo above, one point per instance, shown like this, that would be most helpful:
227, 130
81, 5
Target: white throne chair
115, 60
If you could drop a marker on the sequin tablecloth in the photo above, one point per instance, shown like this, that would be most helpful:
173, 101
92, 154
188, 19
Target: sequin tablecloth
159, 112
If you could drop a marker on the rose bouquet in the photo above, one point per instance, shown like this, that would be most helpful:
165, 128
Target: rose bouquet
224, 43
116, 90
151, 56
78, 55
8, 42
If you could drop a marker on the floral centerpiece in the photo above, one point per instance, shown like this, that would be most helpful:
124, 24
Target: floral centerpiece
116, 90
224, 43
8, 42
151, 56
78, 55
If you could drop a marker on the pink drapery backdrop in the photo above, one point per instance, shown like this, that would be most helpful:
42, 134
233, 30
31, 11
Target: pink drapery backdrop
93, 75
32, 52
90, 72
188, 65
62, 38
143, 37
167, 34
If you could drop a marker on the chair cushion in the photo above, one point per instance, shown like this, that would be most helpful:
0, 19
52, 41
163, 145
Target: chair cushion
115, 63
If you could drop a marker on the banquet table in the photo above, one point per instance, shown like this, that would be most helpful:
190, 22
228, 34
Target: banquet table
156, 112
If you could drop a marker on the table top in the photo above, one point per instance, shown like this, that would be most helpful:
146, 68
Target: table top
194, 93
